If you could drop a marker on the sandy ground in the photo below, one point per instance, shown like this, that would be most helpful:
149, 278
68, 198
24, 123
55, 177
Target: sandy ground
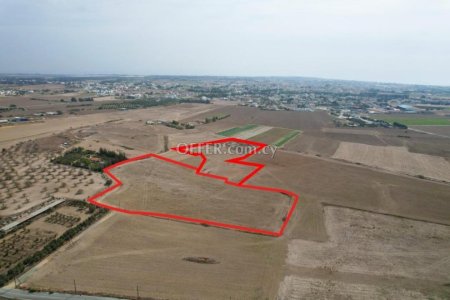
438, 130
366, 243
109, 259
242, 115
154, 185
320, 180
13, 134
373, 246
363, 131
333, 255
396, 159
297, 288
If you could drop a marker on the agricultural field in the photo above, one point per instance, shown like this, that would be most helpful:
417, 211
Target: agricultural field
325, 142
260, 133
242, 115
364, 243
12, 134
396, 159
159, 186
29, 179
236, 130
434, 130
410, 119
21, 246
153, 257
358, 231
286, 138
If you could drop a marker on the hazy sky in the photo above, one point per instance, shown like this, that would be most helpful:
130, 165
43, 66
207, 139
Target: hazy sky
379, 40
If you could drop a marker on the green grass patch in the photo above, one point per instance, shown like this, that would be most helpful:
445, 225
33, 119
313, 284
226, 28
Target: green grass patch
283, 140
271, 136
417, 120
236, 130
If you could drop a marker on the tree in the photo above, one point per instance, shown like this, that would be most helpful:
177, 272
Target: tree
400, 125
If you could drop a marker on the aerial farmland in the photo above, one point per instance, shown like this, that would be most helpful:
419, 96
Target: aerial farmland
218, 200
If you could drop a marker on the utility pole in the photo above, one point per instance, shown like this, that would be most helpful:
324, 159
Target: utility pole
137, 291
75, 286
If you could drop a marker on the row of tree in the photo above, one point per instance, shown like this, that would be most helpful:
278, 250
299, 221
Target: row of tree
51, 247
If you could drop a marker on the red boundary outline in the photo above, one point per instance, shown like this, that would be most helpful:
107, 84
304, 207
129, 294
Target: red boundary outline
198, 170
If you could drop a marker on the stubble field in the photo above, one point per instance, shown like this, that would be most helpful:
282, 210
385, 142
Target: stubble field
343, 208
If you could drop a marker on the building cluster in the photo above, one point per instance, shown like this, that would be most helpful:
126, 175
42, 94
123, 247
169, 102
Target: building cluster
351, 103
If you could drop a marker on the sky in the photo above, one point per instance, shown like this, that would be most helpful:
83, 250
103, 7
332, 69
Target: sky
404, 41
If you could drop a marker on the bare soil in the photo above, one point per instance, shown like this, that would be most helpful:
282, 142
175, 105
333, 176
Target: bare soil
108, 259
155, 185
396, 159
241, 115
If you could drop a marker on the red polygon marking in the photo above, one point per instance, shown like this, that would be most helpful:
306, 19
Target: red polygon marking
198, 171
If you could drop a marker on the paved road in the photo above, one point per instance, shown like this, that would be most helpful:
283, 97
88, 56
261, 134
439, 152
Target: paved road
427, 132
10, 226
25, 295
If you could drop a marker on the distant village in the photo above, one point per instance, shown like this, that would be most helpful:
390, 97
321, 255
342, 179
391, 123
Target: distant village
353, 104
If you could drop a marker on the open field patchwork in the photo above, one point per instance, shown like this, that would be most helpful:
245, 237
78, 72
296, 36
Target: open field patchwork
276, 136
241, 115
375, 244
415, 119
158, 186
300, 288
396, 159
108, 259
236, 130
286, 138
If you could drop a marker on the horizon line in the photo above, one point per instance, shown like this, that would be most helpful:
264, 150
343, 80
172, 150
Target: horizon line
218, 76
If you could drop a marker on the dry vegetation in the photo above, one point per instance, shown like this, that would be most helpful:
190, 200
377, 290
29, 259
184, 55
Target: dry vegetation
396, 159
240, 115
158, 186
358, 232
28, 179
108, 259
369, 244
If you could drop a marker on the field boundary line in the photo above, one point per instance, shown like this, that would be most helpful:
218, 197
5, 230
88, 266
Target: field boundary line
187, 149
383, 213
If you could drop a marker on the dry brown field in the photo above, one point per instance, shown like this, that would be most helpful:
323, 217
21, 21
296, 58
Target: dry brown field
12, 134
121, 252
325, 142
358, 232
375, 247
438, 130
339, 183
149, 251
241, 115
158, 186
396, 159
